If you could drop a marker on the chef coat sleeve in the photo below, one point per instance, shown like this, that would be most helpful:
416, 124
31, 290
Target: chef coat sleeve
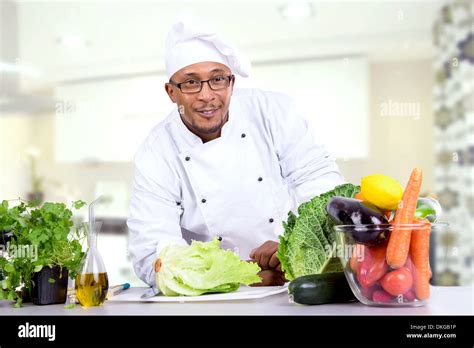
306, 165
154, 220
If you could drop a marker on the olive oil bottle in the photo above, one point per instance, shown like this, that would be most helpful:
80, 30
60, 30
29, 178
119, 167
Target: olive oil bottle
91, 288
92, 282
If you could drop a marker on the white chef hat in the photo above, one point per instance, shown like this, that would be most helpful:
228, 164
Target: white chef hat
188, 43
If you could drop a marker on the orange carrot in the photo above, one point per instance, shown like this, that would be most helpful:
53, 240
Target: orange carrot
420, 256
387, 213
399, 242
359, 196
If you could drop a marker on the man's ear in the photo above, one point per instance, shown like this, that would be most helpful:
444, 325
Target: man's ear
232, 85
171, 92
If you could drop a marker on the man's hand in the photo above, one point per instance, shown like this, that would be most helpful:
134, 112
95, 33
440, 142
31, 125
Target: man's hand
271, 277
265, 256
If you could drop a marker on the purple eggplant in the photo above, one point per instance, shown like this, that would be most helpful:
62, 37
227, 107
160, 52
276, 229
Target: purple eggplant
365, 222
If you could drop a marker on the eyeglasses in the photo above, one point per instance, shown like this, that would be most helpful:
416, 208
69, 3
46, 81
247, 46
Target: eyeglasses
195, 86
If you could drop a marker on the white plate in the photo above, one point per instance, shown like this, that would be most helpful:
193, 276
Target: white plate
243, 293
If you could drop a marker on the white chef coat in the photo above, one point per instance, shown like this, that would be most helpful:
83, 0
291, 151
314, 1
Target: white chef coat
239, 186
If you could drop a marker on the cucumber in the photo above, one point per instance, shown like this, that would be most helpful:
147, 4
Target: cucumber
321, 288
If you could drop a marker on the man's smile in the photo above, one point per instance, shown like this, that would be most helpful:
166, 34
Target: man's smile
208, 112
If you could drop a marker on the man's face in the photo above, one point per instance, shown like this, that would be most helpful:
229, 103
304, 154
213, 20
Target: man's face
204, 112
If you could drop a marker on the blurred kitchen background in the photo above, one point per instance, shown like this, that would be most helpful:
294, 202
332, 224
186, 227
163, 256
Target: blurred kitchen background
387, 85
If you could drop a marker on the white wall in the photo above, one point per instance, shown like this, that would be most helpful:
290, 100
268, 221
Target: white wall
398, 143
15, 137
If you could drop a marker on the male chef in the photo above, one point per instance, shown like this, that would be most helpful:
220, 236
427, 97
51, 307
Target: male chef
225, 163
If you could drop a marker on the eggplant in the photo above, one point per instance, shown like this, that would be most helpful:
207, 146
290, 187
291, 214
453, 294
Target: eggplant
366, 223
369, 235
351, 211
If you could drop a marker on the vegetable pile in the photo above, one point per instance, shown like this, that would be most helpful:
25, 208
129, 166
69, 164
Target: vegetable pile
202, 267
388, 230
304, 246
395, 263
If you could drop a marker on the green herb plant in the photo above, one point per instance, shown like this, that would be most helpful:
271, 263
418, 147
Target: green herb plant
50, 230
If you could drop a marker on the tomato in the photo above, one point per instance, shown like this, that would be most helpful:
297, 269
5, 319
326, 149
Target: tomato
368, 292
357, 254
373, 266
397, 282
409, 263
381, 296
409, 296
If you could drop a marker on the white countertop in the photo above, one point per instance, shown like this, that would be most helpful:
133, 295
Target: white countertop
443, 301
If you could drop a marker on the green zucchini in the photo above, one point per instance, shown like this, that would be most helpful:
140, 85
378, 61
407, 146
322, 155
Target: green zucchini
321, 288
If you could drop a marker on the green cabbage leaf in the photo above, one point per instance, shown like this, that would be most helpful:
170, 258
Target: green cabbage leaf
307, 245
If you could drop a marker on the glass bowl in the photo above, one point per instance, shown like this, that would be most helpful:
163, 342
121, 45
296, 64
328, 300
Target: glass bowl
362, 250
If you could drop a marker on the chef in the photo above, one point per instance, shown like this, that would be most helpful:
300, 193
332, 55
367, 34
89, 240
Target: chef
225, 163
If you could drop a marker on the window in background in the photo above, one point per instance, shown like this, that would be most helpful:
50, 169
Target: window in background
107, 120
332, 95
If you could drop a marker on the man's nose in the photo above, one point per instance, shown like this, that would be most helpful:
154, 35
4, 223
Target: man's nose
206, 94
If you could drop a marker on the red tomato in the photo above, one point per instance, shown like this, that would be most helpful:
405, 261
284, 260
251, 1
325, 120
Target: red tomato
368, 292
397, 282
373, 266
381, 296
409, 296
356, 255
409, 263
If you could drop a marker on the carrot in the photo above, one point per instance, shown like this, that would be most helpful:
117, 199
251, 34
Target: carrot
420, 256
399, 242
359, 196
387, 213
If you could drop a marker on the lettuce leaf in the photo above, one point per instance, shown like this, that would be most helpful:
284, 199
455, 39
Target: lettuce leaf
203, 267
307, 237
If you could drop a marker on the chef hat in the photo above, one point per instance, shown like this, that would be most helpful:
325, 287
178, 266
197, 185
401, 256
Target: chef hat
188, 43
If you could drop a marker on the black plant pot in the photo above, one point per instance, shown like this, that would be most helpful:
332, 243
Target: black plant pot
5, 237
44, 292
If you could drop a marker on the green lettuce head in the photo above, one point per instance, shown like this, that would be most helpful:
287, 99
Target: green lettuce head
203, 267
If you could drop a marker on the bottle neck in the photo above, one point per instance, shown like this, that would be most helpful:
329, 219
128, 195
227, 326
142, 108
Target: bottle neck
93, 231
93, 239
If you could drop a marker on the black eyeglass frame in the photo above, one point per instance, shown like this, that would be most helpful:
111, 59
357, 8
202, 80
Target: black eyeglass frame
230, 78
